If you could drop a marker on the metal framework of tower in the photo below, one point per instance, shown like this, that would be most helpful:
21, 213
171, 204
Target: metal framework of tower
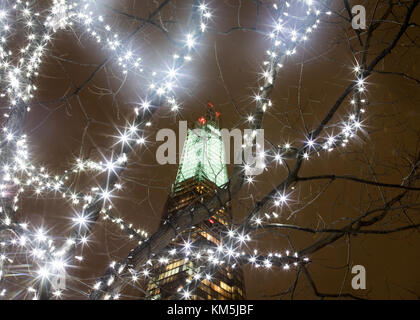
201, 171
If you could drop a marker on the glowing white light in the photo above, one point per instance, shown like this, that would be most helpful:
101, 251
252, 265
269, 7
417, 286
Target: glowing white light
106, 194
187, 245
186, 294
172, 73
190, 41
43, 273
124, 138
146, 105
83, 240
57, 293
310, 143
81, 220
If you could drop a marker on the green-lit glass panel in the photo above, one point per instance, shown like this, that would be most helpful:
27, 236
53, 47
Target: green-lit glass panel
203, 156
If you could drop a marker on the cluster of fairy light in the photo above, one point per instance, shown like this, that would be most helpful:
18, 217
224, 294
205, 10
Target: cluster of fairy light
17, 73
40, 248
285, 40
62, 14
286, 35
222, 255
349, 127
19, 66
22, 175
205, 262
35, 244
160, 82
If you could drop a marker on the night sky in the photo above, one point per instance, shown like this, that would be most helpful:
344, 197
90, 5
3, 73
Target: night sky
225, 70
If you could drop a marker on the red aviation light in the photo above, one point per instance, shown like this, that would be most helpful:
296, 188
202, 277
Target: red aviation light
202, 120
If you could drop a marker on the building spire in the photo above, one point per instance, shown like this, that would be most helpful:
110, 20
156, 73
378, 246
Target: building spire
211, 115
203, 156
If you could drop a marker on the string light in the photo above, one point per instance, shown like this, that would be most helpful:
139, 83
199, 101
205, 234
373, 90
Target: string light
18, 84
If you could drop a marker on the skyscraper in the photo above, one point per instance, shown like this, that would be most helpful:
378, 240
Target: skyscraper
202, 169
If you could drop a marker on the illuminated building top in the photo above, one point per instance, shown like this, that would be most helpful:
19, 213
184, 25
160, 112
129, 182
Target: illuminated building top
203, 155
